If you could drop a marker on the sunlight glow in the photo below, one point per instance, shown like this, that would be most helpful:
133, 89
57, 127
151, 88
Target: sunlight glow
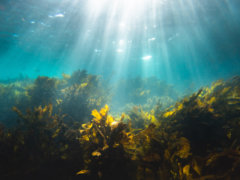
121, 42
146, 58
122, 34
119, 50
152, 39
128, 8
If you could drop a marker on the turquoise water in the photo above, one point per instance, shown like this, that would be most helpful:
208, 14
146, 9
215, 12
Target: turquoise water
182, 41
120, 89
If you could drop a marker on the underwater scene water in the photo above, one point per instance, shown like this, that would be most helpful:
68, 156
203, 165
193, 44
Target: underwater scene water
120, 89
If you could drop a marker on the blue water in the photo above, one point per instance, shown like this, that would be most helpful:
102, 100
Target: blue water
180, 42
65, 63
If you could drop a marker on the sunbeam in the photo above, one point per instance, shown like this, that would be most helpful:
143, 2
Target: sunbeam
119, 89
119, 36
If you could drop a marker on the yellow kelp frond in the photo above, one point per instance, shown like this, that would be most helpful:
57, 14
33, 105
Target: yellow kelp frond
87, 126
225, 90
139, 119
56, 133
83, 172
59, 101
99, 115
210, 109
216, 84
85, 138
196, 167
110, 120
186, 170
184, 148
96, 115
212, 100
122, 117
96, 153
180, 107
154, 120
83, 85
167, 114
104, 139
104, 110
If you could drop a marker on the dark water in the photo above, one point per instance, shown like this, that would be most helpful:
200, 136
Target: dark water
153, 60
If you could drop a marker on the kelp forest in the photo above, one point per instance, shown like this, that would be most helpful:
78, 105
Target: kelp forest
75, 127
